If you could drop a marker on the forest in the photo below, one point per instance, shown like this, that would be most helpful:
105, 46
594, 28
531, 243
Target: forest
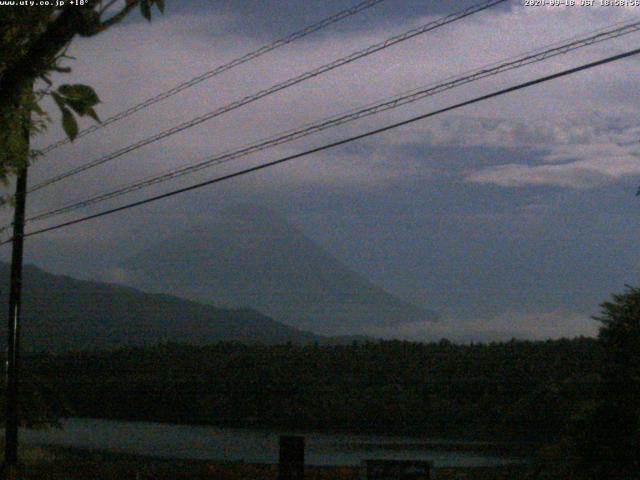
519, 390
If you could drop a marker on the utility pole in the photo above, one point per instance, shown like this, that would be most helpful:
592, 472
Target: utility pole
13, 337
13, 331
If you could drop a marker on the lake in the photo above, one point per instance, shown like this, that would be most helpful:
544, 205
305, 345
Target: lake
252, 446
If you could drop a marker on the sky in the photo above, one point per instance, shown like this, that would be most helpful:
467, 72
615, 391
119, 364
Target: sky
516, 216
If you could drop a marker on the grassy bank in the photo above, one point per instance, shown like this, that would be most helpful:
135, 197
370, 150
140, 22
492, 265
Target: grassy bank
54, 463
58, 463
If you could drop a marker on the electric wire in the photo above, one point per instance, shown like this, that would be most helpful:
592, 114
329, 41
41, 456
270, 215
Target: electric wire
220, 69
328, 146
273, 89
413, 96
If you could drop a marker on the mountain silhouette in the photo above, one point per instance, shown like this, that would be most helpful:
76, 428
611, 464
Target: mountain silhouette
252, 257
61, 313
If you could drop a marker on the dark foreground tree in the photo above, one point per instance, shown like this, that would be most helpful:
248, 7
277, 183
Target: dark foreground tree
607, 439
33, 42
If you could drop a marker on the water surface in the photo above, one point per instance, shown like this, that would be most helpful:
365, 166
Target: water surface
252, 446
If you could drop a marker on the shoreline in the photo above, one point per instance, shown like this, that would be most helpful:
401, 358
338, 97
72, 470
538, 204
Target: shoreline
408, 433
396, 441
70, 463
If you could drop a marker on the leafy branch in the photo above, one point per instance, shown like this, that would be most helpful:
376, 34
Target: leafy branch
81, 99
33, 44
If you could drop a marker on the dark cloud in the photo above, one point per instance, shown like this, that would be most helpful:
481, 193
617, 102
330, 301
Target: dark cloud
266, 20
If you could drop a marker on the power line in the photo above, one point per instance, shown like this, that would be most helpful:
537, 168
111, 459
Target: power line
341, 119
221, 69
328, 146
273, 89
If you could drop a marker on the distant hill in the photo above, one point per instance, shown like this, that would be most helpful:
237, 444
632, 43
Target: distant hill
251, 256
61, 313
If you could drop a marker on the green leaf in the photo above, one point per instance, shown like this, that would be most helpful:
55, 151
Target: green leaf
92, 113
83, 93
145, 9
58, 99
76, 105
69, 124
160, 5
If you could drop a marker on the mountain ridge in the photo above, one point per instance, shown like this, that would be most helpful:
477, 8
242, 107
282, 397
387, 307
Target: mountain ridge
252, 256
61, 313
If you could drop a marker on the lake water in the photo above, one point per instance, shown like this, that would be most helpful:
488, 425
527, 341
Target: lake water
252, 446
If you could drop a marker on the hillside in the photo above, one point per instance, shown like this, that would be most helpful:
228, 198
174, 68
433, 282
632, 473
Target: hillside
251, 256
61, 313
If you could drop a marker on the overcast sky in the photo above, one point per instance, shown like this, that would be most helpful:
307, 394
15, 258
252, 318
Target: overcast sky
515, 216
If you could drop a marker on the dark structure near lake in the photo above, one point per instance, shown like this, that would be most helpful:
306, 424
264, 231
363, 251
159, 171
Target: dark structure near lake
291, 459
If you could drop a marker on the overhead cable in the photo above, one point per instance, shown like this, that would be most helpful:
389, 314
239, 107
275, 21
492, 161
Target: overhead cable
341, 119
220, 69
328, 146
271, 90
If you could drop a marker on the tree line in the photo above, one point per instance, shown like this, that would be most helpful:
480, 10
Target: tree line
515, 390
